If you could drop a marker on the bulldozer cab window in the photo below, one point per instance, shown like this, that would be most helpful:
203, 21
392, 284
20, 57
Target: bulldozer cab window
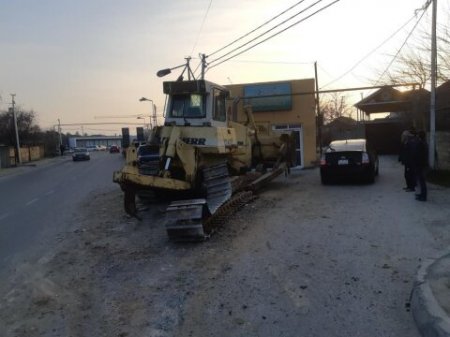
220, 113
187, 106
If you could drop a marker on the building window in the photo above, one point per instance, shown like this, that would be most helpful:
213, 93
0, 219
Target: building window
268, 96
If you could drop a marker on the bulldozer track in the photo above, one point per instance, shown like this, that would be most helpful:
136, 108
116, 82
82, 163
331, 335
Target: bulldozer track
197, 219
225, 211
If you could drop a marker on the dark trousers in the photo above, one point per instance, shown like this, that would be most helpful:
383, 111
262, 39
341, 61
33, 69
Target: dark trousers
420, 178
410, 177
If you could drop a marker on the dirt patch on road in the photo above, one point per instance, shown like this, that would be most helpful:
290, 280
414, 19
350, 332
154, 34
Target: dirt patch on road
112, 275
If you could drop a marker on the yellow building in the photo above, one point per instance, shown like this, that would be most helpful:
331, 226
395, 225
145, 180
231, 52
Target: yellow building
282, 106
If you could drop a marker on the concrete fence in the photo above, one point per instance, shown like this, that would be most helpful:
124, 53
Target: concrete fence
443, 150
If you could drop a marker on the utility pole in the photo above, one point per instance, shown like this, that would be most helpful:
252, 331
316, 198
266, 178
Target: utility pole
432, 144
16, 128
155, 120
59, 132
319, 114
203, 57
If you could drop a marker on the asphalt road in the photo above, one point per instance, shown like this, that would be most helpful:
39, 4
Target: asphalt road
42, 201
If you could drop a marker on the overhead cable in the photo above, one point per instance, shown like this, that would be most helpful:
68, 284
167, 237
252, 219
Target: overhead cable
271, 62
423, 8
404, 43
370, 53
264, 33
275, 34
201, 26
254, 30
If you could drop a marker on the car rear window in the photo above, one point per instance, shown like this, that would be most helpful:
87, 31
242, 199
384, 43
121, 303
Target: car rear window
350, 145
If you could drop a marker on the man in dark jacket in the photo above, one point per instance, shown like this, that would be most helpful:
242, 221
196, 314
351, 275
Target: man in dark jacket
419, 162
405, 157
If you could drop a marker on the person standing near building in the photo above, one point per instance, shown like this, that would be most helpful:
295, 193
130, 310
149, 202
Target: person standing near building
420, 163
405, 157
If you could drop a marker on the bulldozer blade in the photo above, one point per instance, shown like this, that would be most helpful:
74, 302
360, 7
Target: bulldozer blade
218, 186
184, 220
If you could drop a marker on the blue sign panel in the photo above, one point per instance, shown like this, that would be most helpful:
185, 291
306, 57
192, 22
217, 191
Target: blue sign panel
268, 97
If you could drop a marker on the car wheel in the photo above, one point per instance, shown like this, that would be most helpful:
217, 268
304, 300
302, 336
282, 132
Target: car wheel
370, 178
325, 180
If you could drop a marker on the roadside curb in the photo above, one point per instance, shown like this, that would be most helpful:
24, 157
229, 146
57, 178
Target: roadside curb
431, 319
15, 170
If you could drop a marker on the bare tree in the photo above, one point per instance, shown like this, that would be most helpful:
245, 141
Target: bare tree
333, 106
413, 65
410, 67
27, 129
443, 53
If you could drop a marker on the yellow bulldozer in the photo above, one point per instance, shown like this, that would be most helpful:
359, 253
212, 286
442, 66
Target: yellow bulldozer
200, 157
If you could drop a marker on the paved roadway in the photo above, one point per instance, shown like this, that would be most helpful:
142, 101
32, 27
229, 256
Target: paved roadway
40, 202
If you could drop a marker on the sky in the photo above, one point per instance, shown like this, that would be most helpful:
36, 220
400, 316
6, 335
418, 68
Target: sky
89, 61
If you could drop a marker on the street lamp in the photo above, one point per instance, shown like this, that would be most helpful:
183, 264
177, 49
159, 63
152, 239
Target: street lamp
153, 116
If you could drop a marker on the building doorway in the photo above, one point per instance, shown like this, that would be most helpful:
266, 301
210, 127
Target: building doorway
297, 132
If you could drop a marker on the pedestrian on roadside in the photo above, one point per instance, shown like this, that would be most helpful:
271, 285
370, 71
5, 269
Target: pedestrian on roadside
61, 149
405, 157
420, 163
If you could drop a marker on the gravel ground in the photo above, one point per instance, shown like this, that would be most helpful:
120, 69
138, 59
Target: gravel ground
302, 260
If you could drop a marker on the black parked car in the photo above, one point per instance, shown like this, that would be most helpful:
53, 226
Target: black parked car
350, 158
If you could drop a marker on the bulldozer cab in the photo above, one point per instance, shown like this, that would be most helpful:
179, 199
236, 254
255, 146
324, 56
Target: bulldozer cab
195, 103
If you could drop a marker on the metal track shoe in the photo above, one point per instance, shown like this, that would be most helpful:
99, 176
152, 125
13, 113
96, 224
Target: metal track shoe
184, 220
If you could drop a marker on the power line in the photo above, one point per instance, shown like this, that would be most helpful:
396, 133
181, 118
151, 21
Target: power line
423, 8
119, 116
254, 30
107, 130
264, 33
201, 26
275, 34
370, 53
104, 123
272, 62
406, 40
303, 93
